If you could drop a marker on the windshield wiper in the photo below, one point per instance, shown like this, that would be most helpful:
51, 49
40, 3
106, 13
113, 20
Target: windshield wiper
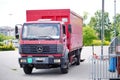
29, 38
32, 38
40, 37
46, 37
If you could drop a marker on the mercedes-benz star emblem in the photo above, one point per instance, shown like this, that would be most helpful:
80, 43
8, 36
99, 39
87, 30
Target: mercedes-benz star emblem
39, 49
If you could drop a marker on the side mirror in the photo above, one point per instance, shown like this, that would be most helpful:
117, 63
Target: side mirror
64, 32
17, 30
69, 28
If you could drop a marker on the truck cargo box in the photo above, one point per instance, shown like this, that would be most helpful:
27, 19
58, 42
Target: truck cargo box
74, 39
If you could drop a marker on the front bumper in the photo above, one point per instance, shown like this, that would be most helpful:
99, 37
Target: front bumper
41, 62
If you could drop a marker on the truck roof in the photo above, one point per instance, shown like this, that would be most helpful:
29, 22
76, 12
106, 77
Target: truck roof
54, 14
45, 22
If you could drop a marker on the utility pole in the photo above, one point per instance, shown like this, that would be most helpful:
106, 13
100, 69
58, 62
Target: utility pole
102, 29
115, 31
115, 19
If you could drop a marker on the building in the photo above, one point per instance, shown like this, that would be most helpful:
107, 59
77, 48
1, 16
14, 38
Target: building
8, 31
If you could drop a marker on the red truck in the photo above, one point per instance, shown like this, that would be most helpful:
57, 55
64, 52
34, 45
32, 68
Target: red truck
50, 39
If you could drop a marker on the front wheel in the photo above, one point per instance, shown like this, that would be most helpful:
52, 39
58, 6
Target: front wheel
27, 69
64, 70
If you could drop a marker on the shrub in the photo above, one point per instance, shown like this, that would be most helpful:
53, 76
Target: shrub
1, 43
99, 42
96, 42
7, 47
106, 42
3, 37
89, 34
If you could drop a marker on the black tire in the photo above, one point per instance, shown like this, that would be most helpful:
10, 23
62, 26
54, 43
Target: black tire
64, 70
78, 56
27, 69
78, 60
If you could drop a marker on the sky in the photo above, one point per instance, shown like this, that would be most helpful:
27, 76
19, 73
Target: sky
14, 11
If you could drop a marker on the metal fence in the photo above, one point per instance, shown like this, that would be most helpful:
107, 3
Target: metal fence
100, 68
107, 67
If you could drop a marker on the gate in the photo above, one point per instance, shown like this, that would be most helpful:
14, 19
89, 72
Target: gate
107, 67
100, 68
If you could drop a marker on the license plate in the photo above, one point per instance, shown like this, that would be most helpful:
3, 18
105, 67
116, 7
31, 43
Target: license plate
29, 60
40, 59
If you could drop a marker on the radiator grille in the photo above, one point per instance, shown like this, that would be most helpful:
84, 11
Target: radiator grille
35, 48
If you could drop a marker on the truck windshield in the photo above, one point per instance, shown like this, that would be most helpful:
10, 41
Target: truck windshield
35, 31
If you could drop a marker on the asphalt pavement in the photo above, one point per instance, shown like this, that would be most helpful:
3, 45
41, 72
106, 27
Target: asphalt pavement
10, 69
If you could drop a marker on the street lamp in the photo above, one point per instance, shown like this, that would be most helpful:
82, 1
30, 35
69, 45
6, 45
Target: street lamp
10, 19
10, 23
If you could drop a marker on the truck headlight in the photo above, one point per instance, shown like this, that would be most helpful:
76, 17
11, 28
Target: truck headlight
23, 61
60, 48
56, 60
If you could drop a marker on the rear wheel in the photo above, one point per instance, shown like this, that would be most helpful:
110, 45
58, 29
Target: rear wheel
78, 60
27, 69
78, 56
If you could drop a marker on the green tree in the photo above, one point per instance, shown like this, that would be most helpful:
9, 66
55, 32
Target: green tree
3, 37
96, 21
85, 17
93, 22
89, 35
117, 25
